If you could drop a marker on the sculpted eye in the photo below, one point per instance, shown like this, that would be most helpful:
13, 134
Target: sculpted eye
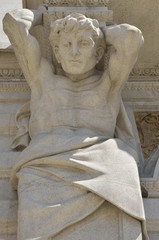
67, 44
84, 43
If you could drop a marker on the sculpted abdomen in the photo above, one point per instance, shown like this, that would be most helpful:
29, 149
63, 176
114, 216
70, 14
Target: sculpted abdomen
73, 109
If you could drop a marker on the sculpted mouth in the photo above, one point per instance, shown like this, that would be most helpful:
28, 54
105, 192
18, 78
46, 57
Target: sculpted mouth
75, 61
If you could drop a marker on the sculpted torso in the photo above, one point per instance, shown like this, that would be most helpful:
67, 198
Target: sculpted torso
81, 98
62, 102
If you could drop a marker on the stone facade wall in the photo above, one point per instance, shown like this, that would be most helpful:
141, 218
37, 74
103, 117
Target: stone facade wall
144, 15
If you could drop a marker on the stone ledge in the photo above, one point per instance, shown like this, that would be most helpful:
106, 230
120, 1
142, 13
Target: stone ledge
152, 215
8, 218
7, 161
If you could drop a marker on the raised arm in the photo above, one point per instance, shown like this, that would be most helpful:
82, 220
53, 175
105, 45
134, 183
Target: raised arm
27, 50
126, 41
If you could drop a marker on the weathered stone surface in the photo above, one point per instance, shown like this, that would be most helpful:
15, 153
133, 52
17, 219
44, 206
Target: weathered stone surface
141, 95
69, 115
142, 14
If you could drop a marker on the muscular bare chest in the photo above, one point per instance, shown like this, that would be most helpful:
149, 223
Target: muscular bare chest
64, 104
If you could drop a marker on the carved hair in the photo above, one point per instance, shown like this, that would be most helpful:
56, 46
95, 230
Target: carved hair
76, 22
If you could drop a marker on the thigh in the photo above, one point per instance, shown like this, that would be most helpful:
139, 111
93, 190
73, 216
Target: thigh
106, 223
47, 204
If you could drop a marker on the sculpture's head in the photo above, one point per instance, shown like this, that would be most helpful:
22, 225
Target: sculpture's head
78, 43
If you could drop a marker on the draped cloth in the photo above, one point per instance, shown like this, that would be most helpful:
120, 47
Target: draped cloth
67, 176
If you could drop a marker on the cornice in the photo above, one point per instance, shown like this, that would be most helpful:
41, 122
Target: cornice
20, 85
152, 187
14, 86
142, 86
77, 3
145, 73
137, 74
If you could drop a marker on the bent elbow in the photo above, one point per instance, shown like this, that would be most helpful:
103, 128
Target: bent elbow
134, 39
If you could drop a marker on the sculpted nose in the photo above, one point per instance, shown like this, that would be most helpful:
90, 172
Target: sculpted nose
75, 49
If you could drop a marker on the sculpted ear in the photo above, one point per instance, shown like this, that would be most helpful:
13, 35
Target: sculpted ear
99, 53
57, 55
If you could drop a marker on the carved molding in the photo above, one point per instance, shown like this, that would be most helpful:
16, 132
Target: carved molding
145, 73
99, 13
8, 130
11, 73
136, 74
77, 3
143, 86
21, 86
152, 184
140, 93
5, 172
152, 187
8, 228
14, 87
8, 219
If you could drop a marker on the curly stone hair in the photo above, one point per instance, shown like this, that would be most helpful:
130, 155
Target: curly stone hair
73, 23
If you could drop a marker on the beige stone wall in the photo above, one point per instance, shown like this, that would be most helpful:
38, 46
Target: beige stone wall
145, 15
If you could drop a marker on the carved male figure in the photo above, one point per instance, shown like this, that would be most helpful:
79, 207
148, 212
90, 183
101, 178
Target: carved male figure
76, 179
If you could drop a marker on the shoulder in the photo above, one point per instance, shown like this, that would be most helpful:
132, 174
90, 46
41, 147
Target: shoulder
132, 37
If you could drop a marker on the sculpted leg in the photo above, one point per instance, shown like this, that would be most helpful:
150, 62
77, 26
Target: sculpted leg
48, 205
52, 209
129, 227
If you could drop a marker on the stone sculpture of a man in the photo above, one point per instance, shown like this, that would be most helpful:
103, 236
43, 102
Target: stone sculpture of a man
75, 180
